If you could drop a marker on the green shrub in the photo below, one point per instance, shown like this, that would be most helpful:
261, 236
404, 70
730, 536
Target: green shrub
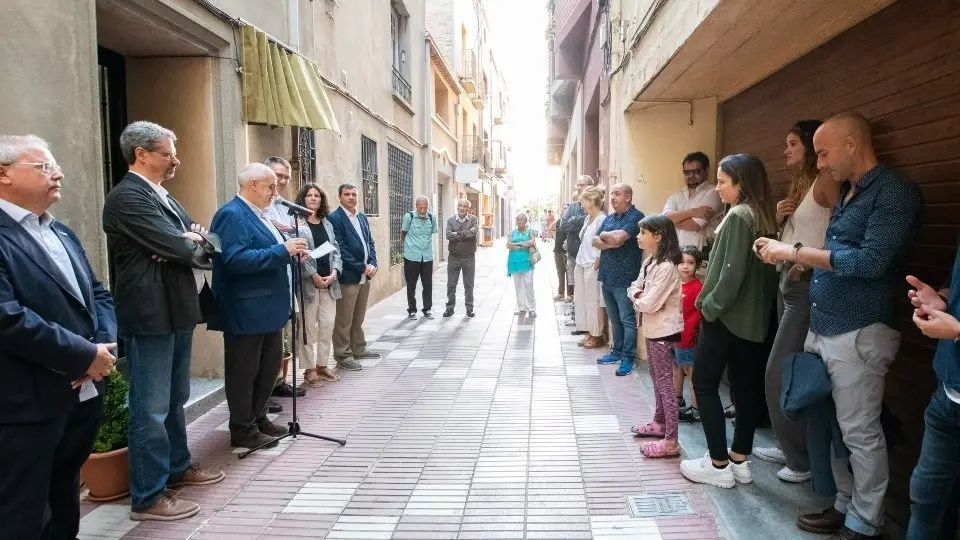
112, 434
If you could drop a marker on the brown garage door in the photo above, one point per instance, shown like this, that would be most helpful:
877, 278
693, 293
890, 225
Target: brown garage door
901, 69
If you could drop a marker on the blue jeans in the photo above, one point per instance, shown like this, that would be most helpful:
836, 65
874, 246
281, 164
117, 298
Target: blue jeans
159, 388
935, 484
623, 322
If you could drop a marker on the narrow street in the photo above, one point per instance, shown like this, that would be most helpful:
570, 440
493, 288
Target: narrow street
491, 427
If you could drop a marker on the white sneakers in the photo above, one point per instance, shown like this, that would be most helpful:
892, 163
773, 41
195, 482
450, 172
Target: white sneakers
794, 477
702, 471
772, 455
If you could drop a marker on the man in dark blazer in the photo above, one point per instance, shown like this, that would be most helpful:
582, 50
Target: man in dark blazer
359, 266
57, 328
159, 253
251, 282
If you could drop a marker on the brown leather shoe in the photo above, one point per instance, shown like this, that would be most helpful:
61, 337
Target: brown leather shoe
254, 441
829, 521
167, 508
195, 476
273, 430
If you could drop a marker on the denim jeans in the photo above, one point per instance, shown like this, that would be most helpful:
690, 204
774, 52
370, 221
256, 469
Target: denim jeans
935, 484
623, 322
159, 388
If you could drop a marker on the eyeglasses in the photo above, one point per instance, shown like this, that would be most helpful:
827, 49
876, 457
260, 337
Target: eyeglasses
48, 167
692, 172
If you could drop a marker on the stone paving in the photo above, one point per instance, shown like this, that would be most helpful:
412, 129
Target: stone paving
491, 427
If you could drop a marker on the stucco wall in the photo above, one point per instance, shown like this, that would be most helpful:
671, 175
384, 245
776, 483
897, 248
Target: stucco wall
50, 89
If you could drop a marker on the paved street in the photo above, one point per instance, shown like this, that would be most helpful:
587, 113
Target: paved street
491, 427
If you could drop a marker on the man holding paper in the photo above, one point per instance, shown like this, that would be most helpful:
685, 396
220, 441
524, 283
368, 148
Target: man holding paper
321, 288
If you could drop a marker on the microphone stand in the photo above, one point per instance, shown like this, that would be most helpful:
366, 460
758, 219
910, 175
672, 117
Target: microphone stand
296, 285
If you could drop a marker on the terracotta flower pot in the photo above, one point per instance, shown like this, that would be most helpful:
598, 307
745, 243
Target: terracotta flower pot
106, 475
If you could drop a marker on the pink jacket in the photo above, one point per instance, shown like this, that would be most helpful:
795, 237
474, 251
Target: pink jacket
656, 295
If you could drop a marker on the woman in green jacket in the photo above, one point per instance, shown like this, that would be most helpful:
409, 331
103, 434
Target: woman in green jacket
736, 302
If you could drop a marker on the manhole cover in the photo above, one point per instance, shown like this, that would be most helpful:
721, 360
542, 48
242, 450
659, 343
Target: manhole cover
661, 504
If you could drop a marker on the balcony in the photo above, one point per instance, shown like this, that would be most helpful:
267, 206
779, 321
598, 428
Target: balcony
499, 160
471, 77
401, 87
475, 151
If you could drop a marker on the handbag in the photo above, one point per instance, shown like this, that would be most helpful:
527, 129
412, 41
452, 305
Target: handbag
534, 255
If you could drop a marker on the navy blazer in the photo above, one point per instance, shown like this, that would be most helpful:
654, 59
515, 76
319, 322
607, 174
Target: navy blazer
48, 335
250, 275
351, 247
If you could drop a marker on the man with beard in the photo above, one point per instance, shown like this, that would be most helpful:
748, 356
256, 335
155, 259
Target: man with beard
693, 209
160, 253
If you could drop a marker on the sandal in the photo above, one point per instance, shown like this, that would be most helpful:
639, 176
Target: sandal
583, 341
325, 374
311, 380
650, 429
594, 343
658, 449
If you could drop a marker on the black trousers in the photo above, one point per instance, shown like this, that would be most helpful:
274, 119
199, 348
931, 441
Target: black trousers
423, 270
560, 260
717, 349
251, 362
457, 264
40, 486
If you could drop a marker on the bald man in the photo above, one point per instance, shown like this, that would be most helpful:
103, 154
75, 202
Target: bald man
619, 265
852, 316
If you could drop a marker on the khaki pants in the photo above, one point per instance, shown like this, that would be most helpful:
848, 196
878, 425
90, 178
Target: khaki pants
318, 319
348, 338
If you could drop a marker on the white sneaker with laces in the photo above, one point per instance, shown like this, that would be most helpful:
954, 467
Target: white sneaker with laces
794, 477
702, 471
771, 455
741, 472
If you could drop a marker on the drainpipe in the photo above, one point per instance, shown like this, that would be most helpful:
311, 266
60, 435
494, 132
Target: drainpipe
429, 174
293, 24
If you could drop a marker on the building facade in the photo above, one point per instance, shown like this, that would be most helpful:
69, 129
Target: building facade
466, 64
731, 76
104, 63
578, 112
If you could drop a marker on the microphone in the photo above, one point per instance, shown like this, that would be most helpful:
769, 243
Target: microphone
295, 209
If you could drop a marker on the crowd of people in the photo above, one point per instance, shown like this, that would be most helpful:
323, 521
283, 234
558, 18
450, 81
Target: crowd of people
794, 307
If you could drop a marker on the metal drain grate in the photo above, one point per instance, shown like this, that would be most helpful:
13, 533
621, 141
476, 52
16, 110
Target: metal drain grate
661, 504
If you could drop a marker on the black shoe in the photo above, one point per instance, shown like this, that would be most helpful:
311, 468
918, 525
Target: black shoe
270, 429
470, 313
273, 407
412, 315
428, 315
848, 534
578, 332
285, 390
681, 404
730, 411
448, 312
830, 521
254, 441
690, 414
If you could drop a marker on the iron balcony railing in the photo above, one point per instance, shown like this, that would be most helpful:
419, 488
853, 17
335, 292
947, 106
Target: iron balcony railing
401, 87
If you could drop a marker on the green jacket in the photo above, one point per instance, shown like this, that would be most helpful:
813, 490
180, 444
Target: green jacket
739, 288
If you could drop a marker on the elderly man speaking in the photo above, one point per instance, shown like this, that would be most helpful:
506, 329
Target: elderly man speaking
251, 282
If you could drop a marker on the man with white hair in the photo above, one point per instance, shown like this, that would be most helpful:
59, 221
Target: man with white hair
461, 231
57, 330
251, 282
160, 253
417, 229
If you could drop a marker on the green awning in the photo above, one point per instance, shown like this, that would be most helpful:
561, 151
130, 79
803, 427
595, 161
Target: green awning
281, 88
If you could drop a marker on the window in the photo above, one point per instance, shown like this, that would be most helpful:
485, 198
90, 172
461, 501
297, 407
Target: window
305, 158
368, 174
441, 100
400, 174
398, 40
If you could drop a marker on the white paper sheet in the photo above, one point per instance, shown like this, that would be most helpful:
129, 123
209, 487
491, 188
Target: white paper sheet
324, 249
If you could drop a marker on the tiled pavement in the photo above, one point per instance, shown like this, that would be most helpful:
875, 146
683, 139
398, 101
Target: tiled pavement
491, 427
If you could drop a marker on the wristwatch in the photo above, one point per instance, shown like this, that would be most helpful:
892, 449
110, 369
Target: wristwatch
793, 254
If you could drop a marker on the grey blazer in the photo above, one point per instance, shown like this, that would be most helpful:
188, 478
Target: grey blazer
310, 266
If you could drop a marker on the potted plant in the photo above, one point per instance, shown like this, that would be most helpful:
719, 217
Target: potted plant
105, 472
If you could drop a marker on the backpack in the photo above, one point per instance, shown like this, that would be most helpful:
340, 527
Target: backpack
430, 215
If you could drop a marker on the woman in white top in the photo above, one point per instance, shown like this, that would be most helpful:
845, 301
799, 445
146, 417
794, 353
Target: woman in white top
803, 217
589, 313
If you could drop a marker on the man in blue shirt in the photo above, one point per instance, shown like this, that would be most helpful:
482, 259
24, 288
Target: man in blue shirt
852, 314
417, 229
619, 265
935, 484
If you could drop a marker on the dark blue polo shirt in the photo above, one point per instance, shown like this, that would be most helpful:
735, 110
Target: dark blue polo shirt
620, 266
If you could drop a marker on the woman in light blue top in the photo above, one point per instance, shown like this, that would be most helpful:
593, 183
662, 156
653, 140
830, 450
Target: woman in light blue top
521, 243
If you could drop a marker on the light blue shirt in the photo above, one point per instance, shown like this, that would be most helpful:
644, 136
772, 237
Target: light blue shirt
418, 244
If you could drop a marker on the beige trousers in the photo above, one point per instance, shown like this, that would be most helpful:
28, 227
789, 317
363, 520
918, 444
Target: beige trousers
348, 338
318, 320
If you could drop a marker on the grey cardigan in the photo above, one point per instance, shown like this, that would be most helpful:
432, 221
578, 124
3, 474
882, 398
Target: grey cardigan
309, 267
